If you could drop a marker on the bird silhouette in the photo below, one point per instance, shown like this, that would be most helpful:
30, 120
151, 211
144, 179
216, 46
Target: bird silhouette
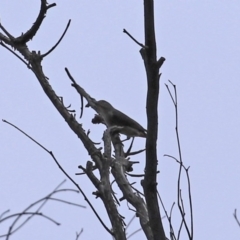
114, 117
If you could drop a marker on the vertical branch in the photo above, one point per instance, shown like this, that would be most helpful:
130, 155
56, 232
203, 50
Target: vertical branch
182, 167
152, 66
150, 41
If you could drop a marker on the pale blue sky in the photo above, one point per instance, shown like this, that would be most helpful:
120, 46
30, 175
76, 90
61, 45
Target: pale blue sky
200, 41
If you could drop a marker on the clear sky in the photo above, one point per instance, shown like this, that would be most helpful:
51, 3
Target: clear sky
200, 41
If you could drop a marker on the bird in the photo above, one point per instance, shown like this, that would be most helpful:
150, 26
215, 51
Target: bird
114, 117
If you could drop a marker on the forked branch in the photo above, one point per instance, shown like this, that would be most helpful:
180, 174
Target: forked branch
27, 211
182, 167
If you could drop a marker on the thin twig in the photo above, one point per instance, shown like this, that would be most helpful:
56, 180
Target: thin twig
140, 229
6, 32
48, 52
79, 234
172, 233
70, 76
190, 201
9, 49
168, 216
137, 190
29, 213
134, 153
236, 217
43, 200
182, 210
180, 229
135, 175
138, 43
25, 134
180, 200
67, 202
7, 211
21, 214
129, 223
81, 97
170, 94
74, 84
68, 176
170, 156
130, 148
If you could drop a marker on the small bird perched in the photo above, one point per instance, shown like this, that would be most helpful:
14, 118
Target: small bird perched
113, 117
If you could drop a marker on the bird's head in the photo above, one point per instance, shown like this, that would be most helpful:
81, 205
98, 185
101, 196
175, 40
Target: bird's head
104, 105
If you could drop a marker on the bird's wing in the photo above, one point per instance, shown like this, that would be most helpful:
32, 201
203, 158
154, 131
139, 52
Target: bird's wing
122, 119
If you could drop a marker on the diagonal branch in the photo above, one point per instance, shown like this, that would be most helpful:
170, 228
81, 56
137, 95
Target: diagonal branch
10, 50
24, 38
138, 43
67, 175
43, 201
236, 217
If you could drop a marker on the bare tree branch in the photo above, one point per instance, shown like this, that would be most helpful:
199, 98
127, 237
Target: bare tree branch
43, 201
79, 234
181, 166
152, 70
68, 176
236, 217
48, 52
10, 50
104, 161
138, 43
24, 38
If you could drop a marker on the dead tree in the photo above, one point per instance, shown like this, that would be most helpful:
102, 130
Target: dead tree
102, 160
